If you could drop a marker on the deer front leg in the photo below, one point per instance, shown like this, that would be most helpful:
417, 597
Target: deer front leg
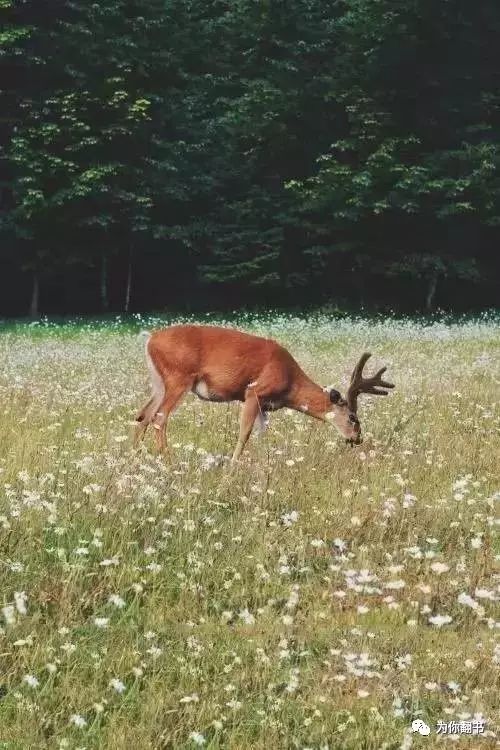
249, 413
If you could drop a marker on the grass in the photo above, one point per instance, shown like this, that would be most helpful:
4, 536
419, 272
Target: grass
162, 604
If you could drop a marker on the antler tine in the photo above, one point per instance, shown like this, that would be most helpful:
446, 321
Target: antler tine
358, 370
377, 379
359, 384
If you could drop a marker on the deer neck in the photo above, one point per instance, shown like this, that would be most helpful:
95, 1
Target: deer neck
309, 398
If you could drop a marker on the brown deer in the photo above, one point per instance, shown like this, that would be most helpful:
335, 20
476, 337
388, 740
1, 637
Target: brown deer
222, 364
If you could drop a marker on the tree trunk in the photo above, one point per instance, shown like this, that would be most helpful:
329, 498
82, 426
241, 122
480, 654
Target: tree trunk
359, 283
35, 296
104, 283
431, 292
128, 288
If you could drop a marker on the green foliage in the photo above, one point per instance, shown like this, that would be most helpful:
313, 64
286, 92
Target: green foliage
304, 148
419, 161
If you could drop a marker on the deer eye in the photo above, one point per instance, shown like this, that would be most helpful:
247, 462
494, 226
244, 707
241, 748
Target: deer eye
334, 396
353, 419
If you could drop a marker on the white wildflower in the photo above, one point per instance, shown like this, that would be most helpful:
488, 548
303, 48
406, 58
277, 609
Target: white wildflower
31, 680
290, 518
440, 620
317, 543
101, 622
468, 601
395, 585
439, 568
247, 617
197, 738
20, 600
78, 720
190, 698
431, 686
116, 600
9, 614
117, 685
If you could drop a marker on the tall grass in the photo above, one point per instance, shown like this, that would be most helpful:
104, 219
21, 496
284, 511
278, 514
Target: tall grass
318, 597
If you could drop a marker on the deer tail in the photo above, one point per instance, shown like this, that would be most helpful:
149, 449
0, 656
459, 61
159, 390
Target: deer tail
149, 411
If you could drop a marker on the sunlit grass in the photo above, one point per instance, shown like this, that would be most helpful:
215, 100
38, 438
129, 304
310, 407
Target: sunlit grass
318, 597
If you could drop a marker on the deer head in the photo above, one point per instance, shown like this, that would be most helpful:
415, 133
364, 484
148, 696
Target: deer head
345, 411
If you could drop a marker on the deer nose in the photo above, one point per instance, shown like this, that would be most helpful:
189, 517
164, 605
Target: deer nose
355, 440
354, 421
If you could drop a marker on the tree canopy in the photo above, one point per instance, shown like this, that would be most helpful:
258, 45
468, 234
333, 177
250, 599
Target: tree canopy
164, 153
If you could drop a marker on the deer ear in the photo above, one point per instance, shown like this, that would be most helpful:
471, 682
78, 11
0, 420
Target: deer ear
335, 396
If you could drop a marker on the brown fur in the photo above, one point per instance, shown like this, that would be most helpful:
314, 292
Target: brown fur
222, 364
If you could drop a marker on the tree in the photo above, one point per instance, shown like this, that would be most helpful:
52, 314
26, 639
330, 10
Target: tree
158, 151
416, 174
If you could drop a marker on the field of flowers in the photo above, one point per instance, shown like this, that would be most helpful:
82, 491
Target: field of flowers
318, 597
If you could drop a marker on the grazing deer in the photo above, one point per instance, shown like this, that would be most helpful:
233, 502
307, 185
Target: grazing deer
221, 364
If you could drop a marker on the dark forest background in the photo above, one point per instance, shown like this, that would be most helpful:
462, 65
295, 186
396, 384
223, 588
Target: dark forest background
164, 154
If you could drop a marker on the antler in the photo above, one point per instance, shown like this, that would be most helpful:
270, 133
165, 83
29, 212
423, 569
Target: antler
359, 384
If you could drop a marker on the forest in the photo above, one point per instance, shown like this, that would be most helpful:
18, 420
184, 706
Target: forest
207, 154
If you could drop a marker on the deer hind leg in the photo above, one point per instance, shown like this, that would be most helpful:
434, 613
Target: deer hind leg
175, 390
262, 421
144, 419
147, 413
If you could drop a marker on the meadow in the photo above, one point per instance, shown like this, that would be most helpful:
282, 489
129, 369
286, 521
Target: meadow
319, 597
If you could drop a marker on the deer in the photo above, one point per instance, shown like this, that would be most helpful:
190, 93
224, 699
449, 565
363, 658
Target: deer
223, 364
